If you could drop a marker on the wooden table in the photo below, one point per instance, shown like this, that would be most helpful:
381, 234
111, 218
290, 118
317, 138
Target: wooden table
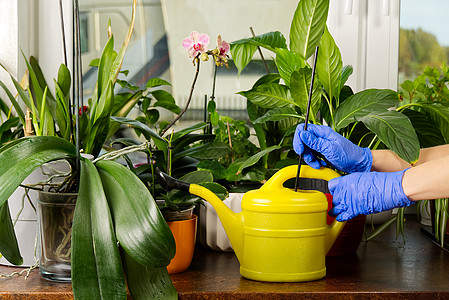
384, 268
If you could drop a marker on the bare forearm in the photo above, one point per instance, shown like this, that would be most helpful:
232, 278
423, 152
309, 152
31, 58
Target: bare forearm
429, 180
388, 161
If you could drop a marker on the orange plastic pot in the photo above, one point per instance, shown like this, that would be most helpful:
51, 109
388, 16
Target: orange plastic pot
184, 233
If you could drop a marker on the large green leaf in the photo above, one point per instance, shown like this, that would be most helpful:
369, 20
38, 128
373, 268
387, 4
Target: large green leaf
9, 247
396, 131
256, 157
212, 150
300, 88
243, 50
269, 95
216, 168
429, 134
329, 65
277, 114
185, 131
307, 26
438, 114
97, 271
161, 143
147, 282
364, 103
18, 159
146, 236
287, 62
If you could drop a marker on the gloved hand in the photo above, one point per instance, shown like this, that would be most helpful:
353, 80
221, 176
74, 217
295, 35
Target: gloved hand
366, 193
339, 151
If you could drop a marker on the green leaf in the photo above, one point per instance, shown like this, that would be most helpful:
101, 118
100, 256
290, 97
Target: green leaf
64, 80
168, 106
163, 96
438, 114
345, 73
62, 113
216, 188
212, 150
8, 124
277, 114
269, 95
429, 134
395, 131
268, 78
14, 103
155, 82
128, 196
287, 62
9, 247
147, 282
217, 169
96, 265
197, 177
243, 50
329, 65
255, 158
185, 131
161, 143
364, 103
21, 157
300, 87
307, 26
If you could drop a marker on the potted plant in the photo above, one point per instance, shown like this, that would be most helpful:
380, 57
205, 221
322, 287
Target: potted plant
364, 117
104, 246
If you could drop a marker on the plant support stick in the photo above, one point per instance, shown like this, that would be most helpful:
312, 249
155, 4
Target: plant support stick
307, 113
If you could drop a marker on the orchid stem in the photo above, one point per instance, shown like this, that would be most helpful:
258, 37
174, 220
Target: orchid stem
189, 100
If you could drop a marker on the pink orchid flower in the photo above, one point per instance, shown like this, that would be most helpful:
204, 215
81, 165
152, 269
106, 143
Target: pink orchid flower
223, 47
196, 43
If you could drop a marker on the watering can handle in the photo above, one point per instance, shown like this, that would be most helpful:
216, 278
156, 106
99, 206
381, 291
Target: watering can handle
278, 179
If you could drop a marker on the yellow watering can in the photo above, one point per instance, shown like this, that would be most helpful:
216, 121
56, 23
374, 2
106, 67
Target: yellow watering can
280, 235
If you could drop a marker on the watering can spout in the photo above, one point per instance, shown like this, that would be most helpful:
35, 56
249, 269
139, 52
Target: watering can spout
232, 222
332, 233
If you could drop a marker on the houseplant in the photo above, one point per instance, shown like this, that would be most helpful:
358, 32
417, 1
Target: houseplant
108, 194
366, 117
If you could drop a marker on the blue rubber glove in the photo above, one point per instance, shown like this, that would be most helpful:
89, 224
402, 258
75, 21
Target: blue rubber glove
339, 151
366, 193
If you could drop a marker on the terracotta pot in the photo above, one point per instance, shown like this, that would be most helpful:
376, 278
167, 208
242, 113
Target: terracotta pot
351, 236
184, 233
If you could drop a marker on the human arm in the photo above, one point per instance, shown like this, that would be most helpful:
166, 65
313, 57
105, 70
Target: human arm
372, 192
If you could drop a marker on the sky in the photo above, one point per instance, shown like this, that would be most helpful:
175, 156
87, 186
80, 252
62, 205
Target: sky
429, 15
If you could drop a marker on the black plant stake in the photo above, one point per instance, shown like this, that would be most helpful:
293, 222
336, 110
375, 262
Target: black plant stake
78, 88
307, 113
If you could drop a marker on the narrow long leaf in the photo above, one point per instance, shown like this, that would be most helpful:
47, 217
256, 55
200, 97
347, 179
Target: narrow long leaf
255, 158
329, 65
16, 105
97, 271
9, 247
307, 26
146, 236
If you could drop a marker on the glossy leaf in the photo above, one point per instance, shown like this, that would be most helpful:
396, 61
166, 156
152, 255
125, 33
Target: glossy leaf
216, 168
155, 82
161, 95
287, 62
329, 65
395, 131
345, 73
122, 110
256, 157
148, 283
97, 271
64, 80
16, 105
269, 95
168, 106
243, 50
438, 115
9, 247
307, 26
429, 134
277, 114
185, 131
212, 150
268, 78
62, 113
23, 156
300, 88
197, 177
128, 196
364, 103
147, 131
